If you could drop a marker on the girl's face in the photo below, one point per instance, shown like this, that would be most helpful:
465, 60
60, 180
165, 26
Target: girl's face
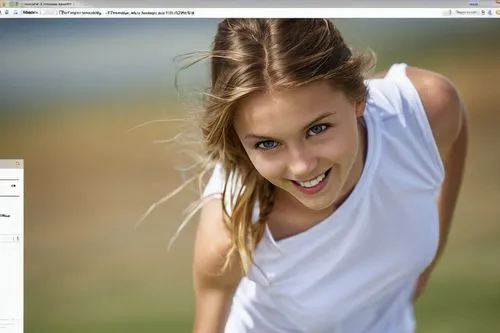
304, 141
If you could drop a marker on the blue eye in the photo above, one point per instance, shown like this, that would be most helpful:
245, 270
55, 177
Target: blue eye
317, 129
266, 145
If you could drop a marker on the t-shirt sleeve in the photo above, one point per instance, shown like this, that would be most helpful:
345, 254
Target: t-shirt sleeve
416, 119
215, 185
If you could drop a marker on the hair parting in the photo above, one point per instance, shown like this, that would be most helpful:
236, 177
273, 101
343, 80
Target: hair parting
247, 57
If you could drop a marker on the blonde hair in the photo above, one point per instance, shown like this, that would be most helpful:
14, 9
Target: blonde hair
250, 56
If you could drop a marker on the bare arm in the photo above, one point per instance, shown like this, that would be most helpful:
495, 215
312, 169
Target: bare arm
448, 121
214, 288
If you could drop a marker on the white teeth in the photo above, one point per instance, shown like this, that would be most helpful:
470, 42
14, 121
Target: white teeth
313, 182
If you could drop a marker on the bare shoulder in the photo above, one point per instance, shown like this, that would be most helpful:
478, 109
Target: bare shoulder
442, 103
212, 246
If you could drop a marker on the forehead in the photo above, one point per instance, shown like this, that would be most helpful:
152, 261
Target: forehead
269, 113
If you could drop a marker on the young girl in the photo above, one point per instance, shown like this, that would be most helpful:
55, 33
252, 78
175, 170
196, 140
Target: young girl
332, 195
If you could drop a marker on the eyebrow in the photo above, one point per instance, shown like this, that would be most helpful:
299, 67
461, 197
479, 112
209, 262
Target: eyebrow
321, 117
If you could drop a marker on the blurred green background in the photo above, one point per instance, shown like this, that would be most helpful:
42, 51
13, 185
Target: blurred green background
71, 90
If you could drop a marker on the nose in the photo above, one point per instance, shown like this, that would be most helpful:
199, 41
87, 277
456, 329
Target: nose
302, 163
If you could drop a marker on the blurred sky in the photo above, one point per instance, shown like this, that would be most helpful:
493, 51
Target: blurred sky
82, 59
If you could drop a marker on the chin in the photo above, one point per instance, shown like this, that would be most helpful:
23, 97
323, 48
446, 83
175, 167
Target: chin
318, 204
319, 201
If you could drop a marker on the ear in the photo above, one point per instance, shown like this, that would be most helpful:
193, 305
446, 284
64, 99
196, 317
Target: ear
360, 108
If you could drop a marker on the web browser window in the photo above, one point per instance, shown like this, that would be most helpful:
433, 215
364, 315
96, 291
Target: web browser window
101, 100
11, 245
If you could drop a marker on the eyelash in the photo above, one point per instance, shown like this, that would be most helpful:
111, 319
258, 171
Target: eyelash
324, 126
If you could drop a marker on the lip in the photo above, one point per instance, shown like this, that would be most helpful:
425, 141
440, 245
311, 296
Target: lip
315, 189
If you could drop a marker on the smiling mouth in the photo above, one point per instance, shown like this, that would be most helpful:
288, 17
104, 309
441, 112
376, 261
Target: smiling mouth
314, 183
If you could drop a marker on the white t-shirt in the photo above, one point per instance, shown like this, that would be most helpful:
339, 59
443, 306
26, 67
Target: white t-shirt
354, 272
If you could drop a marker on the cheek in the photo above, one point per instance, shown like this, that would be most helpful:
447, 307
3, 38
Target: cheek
267, 166
339, 150
346, 143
